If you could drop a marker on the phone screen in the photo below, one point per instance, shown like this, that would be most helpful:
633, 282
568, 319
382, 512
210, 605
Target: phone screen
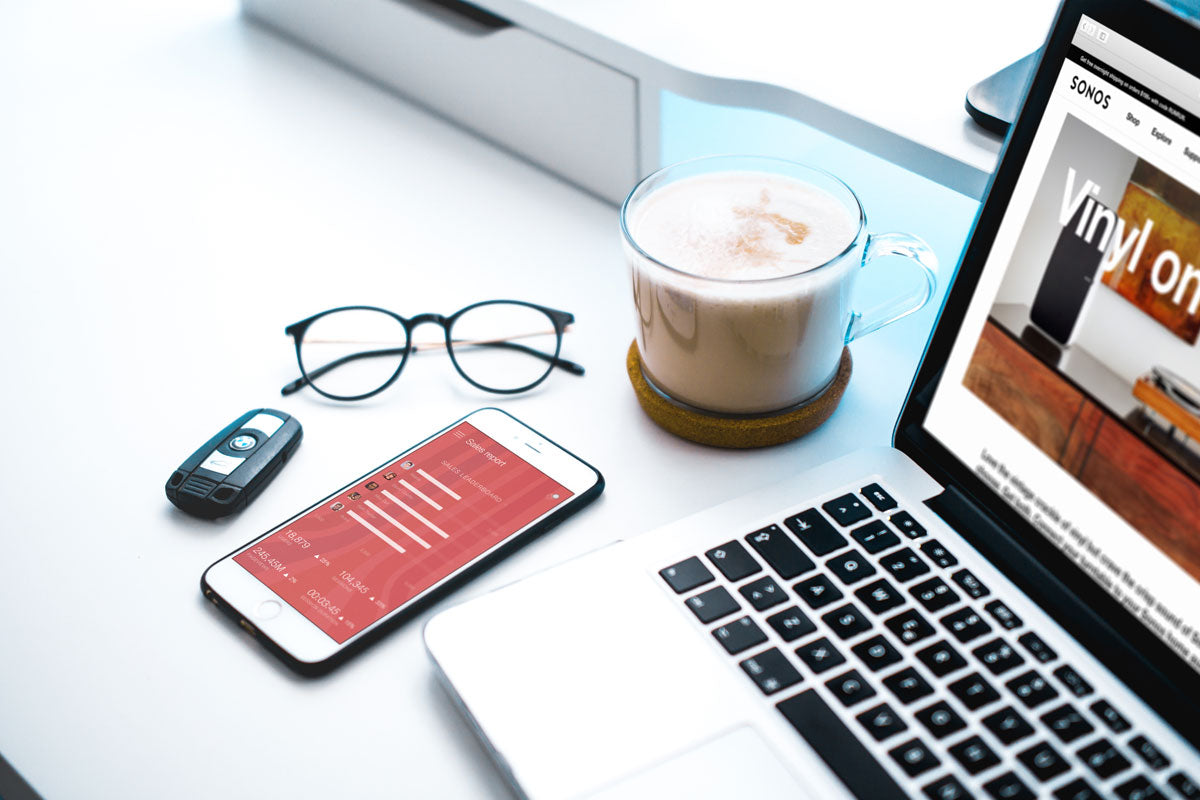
381, 542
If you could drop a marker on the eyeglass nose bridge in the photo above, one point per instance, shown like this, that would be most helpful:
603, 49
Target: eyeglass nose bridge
421, 319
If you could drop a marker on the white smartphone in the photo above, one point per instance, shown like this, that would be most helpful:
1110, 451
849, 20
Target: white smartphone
341, 572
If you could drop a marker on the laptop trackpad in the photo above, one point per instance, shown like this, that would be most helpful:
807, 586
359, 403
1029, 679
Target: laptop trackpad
735, 764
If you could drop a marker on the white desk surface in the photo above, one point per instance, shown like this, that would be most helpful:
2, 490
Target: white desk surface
890, 77
175, 187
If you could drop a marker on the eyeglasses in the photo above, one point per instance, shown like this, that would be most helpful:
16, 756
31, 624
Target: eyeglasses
502, 346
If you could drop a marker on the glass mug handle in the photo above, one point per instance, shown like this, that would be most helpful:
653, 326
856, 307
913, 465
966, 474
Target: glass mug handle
887, 312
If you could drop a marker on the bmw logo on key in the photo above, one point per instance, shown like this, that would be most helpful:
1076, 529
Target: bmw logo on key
243, 442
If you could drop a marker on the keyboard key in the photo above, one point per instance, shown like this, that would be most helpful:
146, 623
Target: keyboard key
876, 653
839, 747
686, 575
1138, 788
713, 604
1043, 761
1007, 725
907, 685
1032, 689
881, 722
974, 691
771, 671
1186, 787
904, 565
914, 757
846, 510
763, 593
820, 655
1078, 789
941, 658
998, 656
947, 788
938, 554
1103, 759
1008, 787
739, 635
1074, 682
791, 624
909, 626
874, 537
847, 621
818, 591
850, 688
1111, 717
733, 561
851, 567
879, 596
904, 522
1036, 647
1004, 616
815, 532
1067, 724
780, 552
877, 497
965, 624
969, 583
940, 720
935, 594
1153, 757
974, 755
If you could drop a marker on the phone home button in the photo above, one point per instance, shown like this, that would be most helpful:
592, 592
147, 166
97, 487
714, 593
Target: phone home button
268, 609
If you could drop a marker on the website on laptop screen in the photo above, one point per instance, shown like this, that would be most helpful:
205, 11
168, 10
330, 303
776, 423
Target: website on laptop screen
1074, 386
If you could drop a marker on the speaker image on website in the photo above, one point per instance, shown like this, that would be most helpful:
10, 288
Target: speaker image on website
1066, 282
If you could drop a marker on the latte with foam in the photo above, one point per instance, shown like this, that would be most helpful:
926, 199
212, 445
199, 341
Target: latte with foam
742, 226
751, 311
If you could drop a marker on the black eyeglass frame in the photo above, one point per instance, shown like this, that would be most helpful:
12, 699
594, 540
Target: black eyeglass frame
559, 319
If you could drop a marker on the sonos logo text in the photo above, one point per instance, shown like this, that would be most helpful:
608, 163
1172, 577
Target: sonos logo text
1090, 92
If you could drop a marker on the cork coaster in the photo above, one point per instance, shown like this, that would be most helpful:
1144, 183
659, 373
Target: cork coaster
736, 432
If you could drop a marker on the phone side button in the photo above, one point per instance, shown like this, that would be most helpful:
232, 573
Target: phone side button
268, 609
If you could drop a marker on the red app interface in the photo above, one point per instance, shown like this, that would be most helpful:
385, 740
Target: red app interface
383, 541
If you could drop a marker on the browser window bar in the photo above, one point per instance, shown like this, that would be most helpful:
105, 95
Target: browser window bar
1138, 63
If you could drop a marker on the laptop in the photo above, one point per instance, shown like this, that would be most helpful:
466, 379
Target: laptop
1005, 603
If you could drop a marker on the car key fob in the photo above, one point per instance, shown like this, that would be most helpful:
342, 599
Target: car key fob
234, 466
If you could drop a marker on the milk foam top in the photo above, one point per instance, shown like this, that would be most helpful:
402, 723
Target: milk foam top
743, 225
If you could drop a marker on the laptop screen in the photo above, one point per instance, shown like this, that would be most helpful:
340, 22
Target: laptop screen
1073, 386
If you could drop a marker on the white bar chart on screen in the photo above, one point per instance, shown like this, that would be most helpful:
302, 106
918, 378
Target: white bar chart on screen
439, 484
420, 494
415, 514
398, 526
374, 530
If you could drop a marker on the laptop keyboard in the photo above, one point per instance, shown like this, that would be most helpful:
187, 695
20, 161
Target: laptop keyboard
913, 651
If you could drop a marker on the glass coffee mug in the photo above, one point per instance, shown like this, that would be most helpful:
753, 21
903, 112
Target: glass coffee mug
744, 295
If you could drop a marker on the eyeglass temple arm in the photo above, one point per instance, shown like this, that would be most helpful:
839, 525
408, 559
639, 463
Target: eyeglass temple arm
301, 382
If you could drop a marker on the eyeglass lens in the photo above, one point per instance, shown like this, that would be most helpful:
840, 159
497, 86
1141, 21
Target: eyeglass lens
504, 346
352, 352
